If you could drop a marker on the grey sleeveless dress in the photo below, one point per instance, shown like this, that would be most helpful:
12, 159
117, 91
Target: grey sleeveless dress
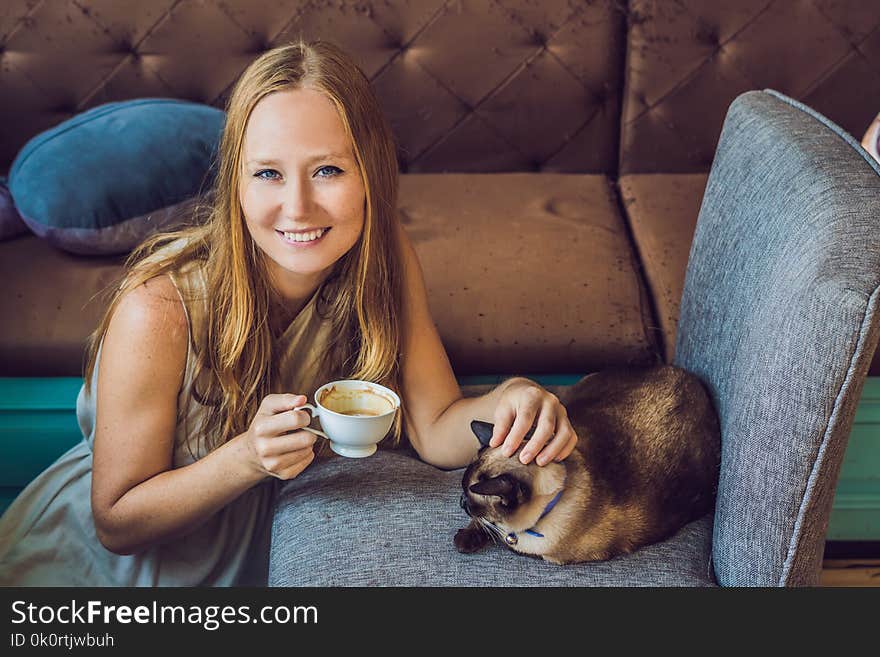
47, 535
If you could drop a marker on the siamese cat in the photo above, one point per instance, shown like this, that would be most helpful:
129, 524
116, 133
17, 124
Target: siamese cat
646, 464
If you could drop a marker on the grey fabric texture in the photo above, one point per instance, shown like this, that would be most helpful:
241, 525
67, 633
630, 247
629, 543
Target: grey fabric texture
779, 318
389, 520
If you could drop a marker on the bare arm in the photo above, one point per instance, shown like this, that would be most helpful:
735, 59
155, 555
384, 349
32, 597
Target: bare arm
438, 416
869, 140
435, 408
138, 500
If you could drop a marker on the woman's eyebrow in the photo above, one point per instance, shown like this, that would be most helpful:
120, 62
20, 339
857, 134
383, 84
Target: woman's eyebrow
314, 158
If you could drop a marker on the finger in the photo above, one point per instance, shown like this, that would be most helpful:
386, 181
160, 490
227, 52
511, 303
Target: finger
289, 443
504, 417
555, 447
544, 432
283, 423
568, 449
276, 465
296, 468
525, 417
278, 403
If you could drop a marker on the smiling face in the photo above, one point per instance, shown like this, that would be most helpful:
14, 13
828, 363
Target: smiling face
301, 190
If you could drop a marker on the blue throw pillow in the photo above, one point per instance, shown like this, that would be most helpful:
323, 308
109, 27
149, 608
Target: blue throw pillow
102, 181
11, 223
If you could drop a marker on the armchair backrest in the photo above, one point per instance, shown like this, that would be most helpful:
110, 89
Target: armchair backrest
779, 318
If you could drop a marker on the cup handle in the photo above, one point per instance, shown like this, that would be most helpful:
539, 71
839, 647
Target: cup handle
315, 413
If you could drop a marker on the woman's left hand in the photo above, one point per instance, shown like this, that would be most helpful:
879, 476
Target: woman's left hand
522, 404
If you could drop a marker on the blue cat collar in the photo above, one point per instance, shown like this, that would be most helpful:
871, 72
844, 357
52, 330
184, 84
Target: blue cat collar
511, 538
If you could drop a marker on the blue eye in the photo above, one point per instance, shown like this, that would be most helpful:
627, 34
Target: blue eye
329, 170
259, 174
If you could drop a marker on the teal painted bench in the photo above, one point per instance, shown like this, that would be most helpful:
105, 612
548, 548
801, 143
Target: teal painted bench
38, 423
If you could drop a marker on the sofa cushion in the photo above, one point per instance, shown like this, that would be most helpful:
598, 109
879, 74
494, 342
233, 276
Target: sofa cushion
393, 518
47, 309
662, 210
103, 180
528, 273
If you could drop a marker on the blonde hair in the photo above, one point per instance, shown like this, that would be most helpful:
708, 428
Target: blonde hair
362, 296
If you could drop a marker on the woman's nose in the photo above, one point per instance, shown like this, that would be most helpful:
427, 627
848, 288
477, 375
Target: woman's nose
297, 199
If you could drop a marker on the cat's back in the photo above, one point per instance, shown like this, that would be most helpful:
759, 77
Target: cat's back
657, 390
646, 429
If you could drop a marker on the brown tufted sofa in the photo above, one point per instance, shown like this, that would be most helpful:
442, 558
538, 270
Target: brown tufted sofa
553, 154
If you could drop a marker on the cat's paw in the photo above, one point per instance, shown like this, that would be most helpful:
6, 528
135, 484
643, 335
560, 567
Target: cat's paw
470, 539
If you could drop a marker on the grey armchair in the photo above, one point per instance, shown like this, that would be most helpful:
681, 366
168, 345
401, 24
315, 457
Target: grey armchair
779, 318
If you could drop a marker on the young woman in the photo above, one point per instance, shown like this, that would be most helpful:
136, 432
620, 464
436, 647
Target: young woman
301, 274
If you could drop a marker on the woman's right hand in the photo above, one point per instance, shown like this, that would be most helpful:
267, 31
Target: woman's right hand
276, 441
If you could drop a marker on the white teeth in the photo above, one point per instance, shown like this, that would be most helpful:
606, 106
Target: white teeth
305, 237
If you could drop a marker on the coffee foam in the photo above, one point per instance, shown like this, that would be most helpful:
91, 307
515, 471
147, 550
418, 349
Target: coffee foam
356, 401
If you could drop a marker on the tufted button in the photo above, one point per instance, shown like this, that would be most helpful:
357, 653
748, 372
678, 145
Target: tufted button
708, 34
124, 46
260, 45
396, 43
600, 96
68, 108
539, 39
402, 160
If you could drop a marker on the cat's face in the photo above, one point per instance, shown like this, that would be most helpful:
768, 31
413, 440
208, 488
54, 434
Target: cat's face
503, 492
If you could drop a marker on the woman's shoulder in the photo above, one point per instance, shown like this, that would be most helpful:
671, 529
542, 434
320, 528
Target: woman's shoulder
145, 346
152, 312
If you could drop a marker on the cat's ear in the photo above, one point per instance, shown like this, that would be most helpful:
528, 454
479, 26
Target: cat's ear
506, 486
503, 486
483, 431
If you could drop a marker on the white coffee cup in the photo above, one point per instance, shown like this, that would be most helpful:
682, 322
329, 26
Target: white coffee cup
355, 415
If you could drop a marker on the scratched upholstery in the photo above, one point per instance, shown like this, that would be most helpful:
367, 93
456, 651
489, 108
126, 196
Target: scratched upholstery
689, 59
501, 303
470, 85
448, 73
